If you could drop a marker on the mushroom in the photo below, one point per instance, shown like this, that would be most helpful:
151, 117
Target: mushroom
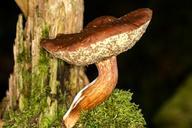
98, 43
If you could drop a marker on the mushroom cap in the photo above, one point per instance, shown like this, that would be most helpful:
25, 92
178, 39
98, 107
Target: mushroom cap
102, 20
104, 37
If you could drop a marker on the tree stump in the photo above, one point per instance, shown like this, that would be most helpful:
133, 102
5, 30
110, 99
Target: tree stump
41, 87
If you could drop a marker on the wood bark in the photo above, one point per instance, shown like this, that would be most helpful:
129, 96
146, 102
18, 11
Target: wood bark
41, 83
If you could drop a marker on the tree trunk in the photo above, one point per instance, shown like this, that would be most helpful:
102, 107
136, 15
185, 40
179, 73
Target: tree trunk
41, 87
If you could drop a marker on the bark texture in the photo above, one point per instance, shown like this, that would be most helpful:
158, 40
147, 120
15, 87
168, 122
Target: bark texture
41, 87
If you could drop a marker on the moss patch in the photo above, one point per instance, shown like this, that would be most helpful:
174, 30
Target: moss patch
116, 112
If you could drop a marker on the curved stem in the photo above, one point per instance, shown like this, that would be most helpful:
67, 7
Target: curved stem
94, 93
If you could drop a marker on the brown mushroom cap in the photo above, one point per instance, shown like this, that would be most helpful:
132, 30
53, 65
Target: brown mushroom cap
102, 38
102, 20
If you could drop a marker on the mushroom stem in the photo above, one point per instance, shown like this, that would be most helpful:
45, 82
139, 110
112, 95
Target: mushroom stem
95, 92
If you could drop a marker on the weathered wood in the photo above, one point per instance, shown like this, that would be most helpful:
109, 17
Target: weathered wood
37, 94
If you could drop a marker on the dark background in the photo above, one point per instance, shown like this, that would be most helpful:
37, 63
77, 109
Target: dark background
153, 69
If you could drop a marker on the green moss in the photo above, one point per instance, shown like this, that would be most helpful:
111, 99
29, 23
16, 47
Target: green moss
61, 111
36, 103
44, 59
21, 57
116, 112
24, 55
29, 116
45, 31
